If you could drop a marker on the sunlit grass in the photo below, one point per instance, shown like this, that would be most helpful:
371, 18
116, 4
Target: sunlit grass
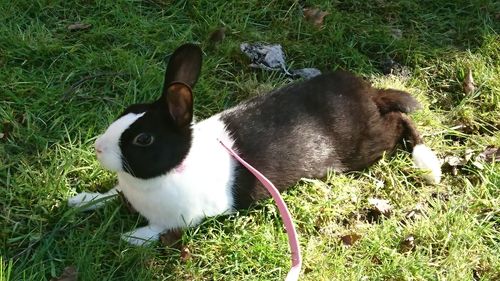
59, 89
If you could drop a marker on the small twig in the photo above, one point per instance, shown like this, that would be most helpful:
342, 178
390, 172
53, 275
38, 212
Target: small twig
444, 131
76, 85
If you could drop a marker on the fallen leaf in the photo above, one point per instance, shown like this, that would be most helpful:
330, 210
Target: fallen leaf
376, 260
315, 16
382, 206
185, 254
407, 244
441, 196
350, 239
478, 165
217, 36
469, 83
69, 274
79, 26
391, 67
468, 154
490, 154
452, 163
415, 213
454, 160
172, 239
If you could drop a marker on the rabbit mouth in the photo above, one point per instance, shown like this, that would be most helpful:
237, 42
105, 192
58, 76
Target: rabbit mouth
107, 146
110, 159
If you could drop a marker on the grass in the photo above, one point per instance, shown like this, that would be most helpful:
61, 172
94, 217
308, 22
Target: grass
47, 155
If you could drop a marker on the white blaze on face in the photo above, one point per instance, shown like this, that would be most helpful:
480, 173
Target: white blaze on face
107, 146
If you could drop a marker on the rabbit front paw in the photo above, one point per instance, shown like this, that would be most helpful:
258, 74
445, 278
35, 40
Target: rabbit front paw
143, 235
92, 200
85, 200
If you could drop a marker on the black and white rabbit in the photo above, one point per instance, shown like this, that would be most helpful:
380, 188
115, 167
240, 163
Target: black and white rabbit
175, 172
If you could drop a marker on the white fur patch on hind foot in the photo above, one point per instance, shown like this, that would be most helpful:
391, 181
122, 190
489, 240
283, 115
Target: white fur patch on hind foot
424, 158
143, 235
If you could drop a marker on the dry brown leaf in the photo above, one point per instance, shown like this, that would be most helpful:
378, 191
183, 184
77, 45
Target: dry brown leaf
415, 213
469, 83
468, 154
79, 26
217, 36
172, 239
382, 206
185, 254
376, 260
490, 154
350, 239
452, 163
315, 16
69, 274
454, 160
407, 244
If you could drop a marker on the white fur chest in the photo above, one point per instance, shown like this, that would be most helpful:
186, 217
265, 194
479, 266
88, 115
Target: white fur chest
203, 187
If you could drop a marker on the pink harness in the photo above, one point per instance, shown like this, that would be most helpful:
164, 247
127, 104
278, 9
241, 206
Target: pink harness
294, 272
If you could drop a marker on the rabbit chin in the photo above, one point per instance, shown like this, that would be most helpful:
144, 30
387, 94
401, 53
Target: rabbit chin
108, 144
110, 162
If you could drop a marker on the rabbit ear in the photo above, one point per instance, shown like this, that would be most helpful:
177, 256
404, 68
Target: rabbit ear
179, 99
388, 100
181, 75
184, 66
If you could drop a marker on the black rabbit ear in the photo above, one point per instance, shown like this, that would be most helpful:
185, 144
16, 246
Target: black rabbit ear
184, 66
179, 99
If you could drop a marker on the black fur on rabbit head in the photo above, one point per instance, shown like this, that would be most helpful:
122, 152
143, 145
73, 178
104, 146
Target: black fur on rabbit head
148, 140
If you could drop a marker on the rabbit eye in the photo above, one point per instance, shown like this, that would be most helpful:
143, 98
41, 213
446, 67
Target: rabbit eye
143, 139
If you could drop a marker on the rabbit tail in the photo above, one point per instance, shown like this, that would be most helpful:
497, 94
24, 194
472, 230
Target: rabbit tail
390, 100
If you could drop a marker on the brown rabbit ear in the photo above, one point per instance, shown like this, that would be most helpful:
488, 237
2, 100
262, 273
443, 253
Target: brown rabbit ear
184, 66
388, 100
179, 99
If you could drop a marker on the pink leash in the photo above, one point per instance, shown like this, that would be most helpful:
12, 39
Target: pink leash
294, 272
